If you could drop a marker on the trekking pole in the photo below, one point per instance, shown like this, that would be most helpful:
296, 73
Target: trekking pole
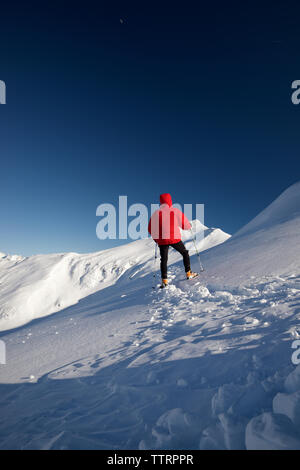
154, 273
198, 254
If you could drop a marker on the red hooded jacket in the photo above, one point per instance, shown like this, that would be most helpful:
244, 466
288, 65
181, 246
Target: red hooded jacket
165, 223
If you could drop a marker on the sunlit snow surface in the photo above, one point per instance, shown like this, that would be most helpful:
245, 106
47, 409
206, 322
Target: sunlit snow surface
203, 364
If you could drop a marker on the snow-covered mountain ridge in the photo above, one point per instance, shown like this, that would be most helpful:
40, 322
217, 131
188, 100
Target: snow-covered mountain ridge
39, 285
268, 245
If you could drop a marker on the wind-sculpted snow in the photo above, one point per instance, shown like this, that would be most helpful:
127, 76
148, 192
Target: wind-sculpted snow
203, 364
39, 285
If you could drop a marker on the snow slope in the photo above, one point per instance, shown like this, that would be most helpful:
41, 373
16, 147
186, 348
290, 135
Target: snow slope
268, 245
204, 364
39, 285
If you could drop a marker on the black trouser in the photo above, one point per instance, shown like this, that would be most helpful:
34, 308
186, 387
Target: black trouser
164, 249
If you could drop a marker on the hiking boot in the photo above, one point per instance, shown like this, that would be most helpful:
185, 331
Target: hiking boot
191, 274
164, 283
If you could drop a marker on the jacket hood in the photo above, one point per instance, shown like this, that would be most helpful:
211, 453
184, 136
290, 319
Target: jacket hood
166, 199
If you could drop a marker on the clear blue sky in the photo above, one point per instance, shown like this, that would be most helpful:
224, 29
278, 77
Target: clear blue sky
182, 97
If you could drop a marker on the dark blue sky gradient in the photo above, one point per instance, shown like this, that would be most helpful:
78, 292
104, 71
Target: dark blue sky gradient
190, 98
